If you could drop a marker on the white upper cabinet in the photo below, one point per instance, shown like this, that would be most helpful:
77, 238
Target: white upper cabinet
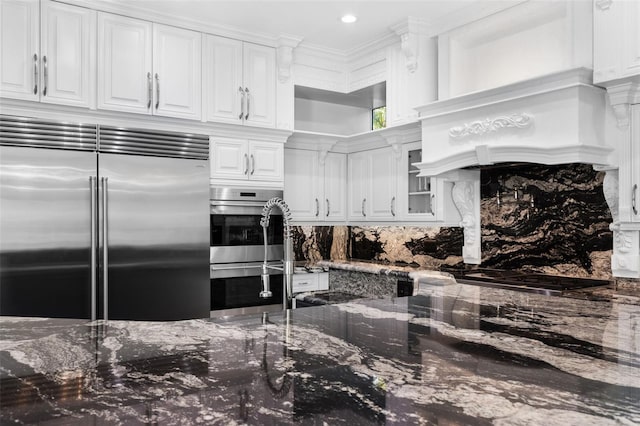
335, 188
49, 59
302, 185
222, 60
20, 53
259, 75
372, 185
266, 161
616, 48
124, 64
234, 161
358, 168
416, 195
635, 163
148, 68
315, 188
382, 203
177, 71
239, 82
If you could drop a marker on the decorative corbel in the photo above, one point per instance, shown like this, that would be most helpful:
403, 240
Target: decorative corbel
409, 33
409, 47
620, 99
610, 187
395, 138
466, 197
284, 56
603, 4
625, 260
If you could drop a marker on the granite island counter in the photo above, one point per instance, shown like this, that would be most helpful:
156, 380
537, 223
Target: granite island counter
453, 354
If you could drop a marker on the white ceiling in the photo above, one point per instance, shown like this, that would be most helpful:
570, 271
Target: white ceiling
317, 22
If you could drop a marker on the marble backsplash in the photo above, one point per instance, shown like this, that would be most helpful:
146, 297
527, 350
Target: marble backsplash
559, 224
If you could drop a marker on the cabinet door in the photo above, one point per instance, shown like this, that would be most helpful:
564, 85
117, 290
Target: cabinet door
177, 71
382, 180
223, 79
124, 64
266, 161
19, 51
358, 166
616, 42
302, 185
335, 184
635, 163
416, 195
259, 75
68, 55
229, 158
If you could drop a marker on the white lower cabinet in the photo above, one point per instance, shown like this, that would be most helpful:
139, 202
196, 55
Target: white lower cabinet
240, 160
304, 282
373, 185
315, 185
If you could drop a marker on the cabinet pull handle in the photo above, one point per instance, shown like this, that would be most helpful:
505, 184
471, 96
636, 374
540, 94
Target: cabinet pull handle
242, 94
253, 164
633, 199
246, 164
393, 206
35, 73
246, 116
46, 76
149, 90
157, 91
317, 208
328, 208
364, 200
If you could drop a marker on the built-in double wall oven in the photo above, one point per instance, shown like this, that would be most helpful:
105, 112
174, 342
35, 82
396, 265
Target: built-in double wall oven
237, 251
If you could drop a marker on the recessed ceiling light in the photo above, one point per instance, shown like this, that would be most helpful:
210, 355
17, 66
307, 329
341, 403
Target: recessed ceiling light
348, 19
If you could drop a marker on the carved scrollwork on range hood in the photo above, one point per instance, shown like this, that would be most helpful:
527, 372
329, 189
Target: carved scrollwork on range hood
480, 127
553, 119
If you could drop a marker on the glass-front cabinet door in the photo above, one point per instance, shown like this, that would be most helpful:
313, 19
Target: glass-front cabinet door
417, 193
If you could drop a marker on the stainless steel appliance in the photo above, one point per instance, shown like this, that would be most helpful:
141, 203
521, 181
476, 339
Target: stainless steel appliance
237, 252
102, 222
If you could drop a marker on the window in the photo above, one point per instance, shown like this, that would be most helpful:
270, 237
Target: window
379, 118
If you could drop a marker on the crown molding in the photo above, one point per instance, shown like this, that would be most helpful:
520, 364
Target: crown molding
139, 11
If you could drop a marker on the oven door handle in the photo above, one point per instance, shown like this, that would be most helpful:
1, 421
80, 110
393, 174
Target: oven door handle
239, 271
231, 268
238, 204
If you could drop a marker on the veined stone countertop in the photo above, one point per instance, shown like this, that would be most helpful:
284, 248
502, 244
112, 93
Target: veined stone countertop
423, 278
419, 276
455, 354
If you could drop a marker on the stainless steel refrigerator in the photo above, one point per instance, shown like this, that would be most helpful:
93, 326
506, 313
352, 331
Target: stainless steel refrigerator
100, 222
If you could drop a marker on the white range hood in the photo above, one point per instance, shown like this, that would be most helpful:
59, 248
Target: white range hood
555, 119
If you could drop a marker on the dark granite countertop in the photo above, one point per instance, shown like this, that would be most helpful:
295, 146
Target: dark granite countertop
453, 354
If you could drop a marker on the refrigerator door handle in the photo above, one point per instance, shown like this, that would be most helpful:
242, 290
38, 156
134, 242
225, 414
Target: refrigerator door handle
93, 186
105, 248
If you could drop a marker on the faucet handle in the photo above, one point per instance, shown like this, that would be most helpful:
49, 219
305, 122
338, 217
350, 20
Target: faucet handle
266, 291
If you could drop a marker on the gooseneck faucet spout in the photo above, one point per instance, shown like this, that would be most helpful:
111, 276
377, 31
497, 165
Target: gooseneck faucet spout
287, 262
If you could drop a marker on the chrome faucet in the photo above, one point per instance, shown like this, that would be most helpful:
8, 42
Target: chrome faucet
287, 262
